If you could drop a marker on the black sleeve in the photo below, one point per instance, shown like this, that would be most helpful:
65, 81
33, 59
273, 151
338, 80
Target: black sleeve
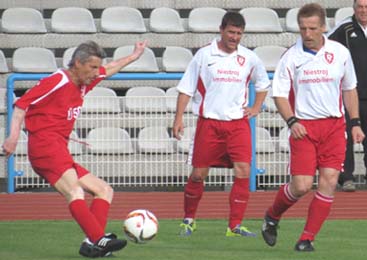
339, 35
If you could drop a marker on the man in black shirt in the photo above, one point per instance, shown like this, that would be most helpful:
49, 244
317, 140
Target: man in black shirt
352, 33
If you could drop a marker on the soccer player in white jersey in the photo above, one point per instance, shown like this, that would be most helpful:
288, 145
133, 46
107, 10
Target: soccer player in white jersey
49, 111
217, 79
310, 82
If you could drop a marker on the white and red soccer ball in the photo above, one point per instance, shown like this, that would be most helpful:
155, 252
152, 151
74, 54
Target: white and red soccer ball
140, 226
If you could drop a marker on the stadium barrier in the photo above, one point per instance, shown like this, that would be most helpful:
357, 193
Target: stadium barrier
132, 156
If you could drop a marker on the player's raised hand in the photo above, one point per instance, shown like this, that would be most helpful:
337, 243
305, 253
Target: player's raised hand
139, 48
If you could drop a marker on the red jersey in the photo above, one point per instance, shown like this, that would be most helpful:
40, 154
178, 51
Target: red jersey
55, 103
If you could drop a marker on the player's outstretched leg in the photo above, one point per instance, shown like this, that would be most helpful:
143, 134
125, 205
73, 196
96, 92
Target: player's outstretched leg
103, 247
269, 230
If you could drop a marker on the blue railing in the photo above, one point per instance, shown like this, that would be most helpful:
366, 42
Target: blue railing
12, 172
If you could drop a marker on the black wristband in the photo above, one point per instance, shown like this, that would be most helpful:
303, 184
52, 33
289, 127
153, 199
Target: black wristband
355, 122
291, 121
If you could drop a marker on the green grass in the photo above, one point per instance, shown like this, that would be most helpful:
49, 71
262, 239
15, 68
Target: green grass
59, 240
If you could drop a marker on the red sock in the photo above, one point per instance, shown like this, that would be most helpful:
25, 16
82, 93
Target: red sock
86, 220
283, 201
99, 208
238, 199
192, 195
317, 213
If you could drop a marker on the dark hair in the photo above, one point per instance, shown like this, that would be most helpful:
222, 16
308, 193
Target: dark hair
312, 9
234, 19
86, 50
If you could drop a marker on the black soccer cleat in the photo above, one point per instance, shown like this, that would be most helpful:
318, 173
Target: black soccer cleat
269, 230
304, 246
103, 247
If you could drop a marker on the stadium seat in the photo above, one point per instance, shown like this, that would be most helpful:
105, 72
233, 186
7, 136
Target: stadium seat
146, 63
66, 57
284, 139
171, 100
261, 19
22, 20
183, 145
75, 145
101, 100
109, 140
264, 142
34, 59
72, 20
145, 100
176, 59
343, 13
165, 20
119, 19
269, 105
154, 139
291, 23
3, 65
270, 55
205, 19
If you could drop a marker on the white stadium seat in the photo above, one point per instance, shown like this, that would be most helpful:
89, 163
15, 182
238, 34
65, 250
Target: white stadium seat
291, 23
146, 63
205, 19
68, 53
270, 55
165, 20
122, 19
183, 145
34, 59
284, 139
145, 100
264, 142
261, 19
3, 65
343, 13
171, 100
176, 59
101, 100
109, 140
154, 139
22, 20
72, 20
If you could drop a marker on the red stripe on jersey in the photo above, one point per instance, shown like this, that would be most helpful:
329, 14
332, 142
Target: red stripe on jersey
202, 91
247, 83
291, 96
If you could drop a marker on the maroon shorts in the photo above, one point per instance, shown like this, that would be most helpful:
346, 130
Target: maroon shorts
323, 146
221, 143
50, 157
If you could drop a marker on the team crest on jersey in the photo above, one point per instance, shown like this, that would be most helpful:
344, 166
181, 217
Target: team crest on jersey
329, 57
240, 60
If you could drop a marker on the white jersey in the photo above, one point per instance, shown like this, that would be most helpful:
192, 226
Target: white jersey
218, 81
314, 83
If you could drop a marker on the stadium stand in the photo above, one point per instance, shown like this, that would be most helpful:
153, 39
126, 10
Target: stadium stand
183, 145
261, 19
101, 100
3, 64
22, 20
34, 59
165, 20
264, 142
75, 147
82, 20
145, 100
176, 59
154, 139
120, 19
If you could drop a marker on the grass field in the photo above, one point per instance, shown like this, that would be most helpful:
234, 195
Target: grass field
60, 240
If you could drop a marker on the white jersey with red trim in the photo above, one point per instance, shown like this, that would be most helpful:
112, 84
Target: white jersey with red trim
314, 83
53, 105
218, 81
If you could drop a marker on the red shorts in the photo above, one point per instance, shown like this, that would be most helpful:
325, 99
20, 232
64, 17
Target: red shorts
323, 147
220, 143
50, 157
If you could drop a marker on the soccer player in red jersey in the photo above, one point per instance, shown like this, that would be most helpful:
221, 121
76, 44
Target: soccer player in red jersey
50, 109
310, 83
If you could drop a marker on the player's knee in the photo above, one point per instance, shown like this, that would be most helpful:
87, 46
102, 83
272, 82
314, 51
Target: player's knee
75, 193
104, 192
301, 189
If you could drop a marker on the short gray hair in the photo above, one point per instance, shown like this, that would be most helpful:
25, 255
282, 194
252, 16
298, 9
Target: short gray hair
86, 50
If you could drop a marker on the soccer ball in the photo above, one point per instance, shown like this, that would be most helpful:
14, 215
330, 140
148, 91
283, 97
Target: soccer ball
140, 226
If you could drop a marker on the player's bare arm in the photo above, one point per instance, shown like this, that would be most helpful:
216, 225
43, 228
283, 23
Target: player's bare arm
178, 125
350, 98
298, 131
115, 66
10, 143
256, 108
